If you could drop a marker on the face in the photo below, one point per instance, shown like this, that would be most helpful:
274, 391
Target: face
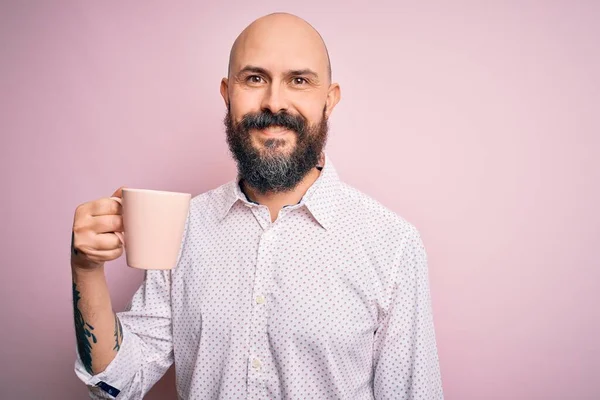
278, 98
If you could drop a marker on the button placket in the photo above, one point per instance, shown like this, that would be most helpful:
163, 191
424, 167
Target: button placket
258, 351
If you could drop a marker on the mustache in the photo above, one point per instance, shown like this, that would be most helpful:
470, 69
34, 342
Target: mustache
265, 119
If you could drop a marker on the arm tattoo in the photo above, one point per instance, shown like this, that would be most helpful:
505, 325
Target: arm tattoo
118, 334
84, 333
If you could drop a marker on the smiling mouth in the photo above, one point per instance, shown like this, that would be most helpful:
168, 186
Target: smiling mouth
274, 131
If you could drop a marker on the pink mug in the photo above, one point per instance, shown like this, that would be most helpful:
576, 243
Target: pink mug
153, 224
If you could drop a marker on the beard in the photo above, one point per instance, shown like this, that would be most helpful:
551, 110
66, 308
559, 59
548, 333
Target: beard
271, 168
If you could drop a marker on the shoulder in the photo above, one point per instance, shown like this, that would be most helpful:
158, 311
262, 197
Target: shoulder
212, 202
372, 217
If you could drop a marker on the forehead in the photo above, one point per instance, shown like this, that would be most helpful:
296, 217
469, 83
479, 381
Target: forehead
280, 50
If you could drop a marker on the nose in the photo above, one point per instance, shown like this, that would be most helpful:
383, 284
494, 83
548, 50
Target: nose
275, 99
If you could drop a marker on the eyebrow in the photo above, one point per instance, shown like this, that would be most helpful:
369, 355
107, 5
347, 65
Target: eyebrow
292, 72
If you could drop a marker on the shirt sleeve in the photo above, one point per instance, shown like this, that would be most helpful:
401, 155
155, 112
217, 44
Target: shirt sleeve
146, 350
406, 364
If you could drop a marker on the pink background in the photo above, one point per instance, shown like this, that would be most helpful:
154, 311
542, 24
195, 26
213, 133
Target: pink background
477, 122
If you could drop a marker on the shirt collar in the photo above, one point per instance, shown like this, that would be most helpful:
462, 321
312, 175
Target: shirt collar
319, 199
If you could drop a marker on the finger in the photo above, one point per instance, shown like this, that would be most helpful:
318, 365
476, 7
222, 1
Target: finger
107, 223
90, 240
105, 207
103, 255
106, 242
118, 192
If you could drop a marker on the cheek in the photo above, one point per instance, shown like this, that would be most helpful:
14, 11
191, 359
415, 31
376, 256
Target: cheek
242, 102
311, 107
313, 115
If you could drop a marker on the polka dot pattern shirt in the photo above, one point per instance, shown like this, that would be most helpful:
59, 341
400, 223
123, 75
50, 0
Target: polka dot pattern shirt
330, 301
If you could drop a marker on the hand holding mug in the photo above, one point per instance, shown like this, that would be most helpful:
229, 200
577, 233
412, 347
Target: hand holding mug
97, 227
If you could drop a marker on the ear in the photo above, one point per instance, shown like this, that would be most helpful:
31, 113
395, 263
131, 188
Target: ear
334, 95
224, 91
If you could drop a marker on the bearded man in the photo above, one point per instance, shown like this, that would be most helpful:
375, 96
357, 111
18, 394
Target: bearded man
290, 284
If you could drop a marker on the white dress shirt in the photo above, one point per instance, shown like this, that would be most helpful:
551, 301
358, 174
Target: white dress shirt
330, 301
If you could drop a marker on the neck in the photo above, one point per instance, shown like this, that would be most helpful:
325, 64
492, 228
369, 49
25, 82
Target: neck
275, 201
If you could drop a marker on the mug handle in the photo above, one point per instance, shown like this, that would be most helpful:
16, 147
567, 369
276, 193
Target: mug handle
119, 234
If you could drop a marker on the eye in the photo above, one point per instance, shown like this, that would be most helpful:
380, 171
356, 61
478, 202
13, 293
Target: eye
299, 81
254, 79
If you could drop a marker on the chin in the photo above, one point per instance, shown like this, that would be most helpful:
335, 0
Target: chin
273, 151
273, 145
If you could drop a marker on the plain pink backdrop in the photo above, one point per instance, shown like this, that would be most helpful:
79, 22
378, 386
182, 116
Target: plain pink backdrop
479, 122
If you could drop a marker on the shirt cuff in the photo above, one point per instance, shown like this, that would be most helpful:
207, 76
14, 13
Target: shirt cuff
117, 375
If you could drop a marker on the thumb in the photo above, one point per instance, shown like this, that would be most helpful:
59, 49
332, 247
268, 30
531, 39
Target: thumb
118, 192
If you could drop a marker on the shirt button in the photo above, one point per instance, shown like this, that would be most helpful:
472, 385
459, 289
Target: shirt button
256, 364
260, 299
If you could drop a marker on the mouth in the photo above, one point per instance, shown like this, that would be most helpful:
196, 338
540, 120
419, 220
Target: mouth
274, 131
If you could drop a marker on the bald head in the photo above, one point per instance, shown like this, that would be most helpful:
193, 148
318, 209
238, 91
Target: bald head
281, 38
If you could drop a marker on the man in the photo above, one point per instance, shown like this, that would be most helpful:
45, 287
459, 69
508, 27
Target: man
290, 284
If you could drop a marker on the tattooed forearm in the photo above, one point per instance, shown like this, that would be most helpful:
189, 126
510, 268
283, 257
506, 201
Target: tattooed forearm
118, 334
83, 332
